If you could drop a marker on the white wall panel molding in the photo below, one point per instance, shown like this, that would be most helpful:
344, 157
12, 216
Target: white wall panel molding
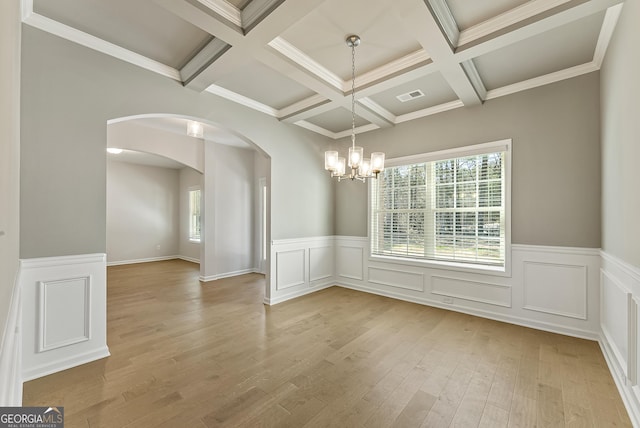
301, 266
483, 292
619, 324
321, 263
558, 289
71, 296
290, 268
396, 278
63, 312
593, 252
500, 297
489, 314
350, 262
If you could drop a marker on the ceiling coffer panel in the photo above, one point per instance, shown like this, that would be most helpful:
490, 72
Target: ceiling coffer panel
140, 26
567, 46
435, 89
337, 120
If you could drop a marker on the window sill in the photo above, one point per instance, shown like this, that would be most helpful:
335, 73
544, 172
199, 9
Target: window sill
445, 265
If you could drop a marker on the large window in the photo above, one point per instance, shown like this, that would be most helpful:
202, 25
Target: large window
448, 206
194, 215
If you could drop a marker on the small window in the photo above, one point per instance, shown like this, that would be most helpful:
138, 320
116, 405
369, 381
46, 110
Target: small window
194, 215
450, 206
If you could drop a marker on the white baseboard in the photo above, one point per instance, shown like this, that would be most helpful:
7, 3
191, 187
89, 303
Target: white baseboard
145, 260
298, 293
227, 275
629, 397
64, 364
189, 259
538, 325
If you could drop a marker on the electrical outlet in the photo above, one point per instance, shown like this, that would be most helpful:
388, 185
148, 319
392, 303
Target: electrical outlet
158, 247
448, 300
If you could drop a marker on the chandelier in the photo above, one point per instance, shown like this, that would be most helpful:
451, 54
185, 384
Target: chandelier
361, 168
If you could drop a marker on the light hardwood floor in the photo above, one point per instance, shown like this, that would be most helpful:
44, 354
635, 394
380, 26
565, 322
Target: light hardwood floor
186, 354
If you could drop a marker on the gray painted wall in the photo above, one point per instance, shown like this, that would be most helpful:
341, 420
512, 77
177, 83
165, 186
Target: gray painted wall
620, 93
234, 209
142, 211
9, 163
68, 94
556, 159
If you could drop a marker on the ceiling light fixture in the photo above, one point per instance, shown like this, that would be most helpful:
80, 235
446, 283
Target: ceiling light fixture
195, 129
361, 168
114, 150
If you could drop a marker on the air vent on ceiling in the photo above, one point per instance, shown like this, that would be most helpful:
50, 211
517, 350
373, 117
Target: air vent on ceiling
410, 95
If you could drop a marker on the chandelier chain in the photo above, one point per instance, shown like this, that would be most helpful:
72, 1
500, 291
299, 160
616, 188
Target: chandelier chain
353, 94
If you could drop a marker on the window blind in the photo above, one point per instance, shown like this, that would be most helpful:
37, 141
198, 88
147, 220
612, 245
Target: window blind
447, 209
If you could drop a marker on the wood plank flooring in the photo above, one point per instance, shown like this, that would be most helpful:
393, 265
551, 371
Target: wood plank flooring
186, 354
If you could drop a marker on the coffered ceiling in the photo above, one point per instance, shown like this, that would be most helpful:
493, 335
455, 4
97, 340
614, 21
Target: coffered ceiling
288, 58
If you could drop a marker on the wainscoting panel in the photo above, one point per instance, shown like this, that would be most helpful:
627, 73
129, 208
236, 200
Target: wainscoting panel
556, 289
493, 294
614, 319
620, 325
290, 268
64, 315
349, 262
300, 266
321, 263
397, 278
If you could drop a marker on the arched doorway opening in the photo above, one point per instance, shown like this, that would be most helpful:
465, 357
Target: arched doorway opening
235, 187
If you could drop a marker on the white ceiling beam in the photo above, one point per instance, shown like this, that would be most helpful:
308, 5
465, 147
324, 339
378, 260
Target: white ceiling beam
445, 18
213, 50
425, 27
608, 25
205, 19
248, 45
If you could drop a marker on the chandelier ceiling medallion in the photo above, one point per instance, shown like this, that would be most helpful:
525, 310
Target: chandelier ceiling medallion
361, 168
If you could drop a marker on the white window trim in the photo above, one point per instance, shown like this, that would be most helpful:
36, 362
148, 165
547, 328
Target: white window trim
500, 145
189, 190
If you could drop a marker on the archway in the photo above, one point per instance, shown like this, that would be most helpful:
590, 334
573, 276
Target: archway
165, 135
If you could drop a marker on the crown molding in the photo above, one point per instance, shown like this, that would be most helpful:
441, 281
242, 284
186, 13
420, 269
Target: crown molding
241, 99
377, 109
359, 130
429, 111
299, 107
69, 33
471, 71
606, 31
446, 20
407, 62
225, 9
304, 61
315, 128
256, 10
510, 17
546, 79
